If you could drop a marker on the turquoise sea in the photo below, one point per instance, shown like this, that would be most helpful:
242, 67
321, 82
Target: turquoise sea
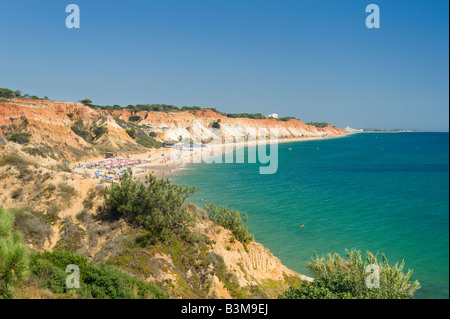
383, 192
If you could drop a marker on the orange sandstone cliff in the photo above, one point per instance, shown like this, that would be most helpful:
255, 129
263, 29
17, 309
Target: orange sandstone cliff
50, 124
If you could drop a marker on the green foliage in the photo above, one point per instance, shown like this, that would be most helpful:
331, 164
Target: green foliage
255, 116
147, 141
86, 101
96, 281
216, 125
286, 118
80, 129
226, 278
21, 138
190, 257
339, 278
14, 257
99, 131
318, 124
138, 133
9, 94
191, 108
70, 236
135, 118
231, 220
131, 133
152, 107
70, 115
156, 204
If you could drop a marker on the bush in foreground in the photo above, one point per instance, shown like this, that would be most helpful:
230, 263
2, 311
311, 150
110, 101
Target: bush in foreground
13, 255
96, 281
155, 204
339, 278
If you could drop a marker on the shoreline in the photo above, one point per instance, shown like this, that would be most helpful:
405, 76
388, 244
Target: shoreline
166, 162
234, 146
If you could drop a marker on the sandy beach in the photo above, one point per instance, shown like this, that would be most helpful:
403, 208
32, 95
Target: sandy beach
164, 162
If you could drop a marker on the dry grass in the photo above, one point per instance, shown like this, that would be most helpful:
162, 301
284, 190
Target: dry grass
12, 159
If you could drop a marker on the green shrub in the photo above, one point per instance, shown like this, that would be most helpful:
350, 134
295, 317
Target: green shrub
96, 281
48, 275
156, 204
131, 133
216, 125
71, 236
256, 116
79, 129
135, 118
100, 131
286, 118
20, 138
145, 140
231, 220
70, 115
318, 124
86, 101
339, 278
14, 259
137, 133
9, 94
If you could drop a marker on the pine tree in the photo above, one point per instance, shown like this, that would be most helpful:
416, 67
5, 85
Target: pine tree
231, 220
156, 204
14, 258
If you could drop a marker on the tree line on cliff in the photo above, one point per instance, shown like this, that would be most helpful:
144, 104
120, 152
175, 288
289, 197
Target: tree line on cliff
10, 94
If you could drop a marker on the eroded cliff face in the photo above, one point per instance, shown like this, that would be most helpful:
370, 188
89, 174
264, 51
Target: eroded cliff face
50, 124
198, 124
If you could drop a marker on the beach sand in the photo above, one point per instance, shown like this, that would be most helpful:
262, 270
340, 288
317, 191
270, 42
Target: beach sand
166, 162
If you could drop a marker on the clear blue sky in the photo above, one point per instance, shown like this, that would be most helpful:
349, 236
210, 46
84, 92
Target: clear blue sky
314, 59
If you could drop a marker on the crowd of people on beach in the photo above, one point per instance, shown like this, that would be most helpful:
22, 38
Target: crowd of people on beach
112, 169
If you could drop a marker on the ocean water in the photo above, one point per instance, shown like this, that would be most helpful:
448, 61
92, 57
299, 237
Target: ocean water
386, 192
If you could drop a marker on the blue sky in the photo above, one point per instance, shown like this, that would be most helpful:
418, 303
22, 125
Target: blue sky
314, 59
